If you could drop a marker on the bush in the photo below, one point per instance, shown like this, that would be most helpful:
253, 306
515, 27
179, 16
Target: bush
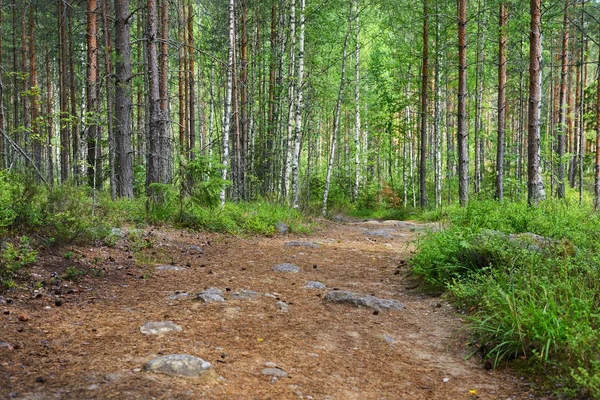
535, 303
13, 257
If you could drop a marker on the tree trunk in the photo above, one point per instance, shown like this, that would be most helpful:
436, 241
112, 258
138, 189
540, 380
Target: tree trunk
336, 118
228, 95
154, 101
424, 99
35, 97
291, 92
191, 103
73, 98
123, 149
437, 151
357, 123
110, 102
91, 92
299, 109
479, 75
462, 134
582, 82
502, 34
26, 71
562, 106
3, 155
535, 185
164, 147
244, 116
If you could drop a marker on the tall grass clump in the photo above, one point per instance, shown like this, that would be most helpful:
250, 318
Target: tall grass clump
533, 298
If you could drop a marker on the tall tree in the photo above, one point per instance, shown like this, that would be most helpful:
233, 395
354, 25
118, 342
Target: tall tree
535, 185
562, 105
156, 119
164, 139
123, 149
502, 39
228, 96
93, 142
357, 108
462, 133
424, 100
299, 110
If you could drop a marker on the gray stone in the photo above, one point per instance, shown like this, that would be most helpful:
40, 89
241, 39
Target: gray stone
359, 300
211, 295
179, 296
244, 295
213, 290
4, 345
197, 249
286, 267
283, 306
119, 232
169, 268
378, 233
282, 228
315, 285
183, 365
157, 328
278, 372
301, 243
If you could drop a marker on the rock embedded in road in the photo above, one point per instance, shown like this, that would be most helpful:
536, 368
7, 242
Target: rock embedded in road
183, 365
157, 328
301, 243
315, 285
244, 294
282, 228
169, 268
286, 267
359, 300
283, 306
276, 371
211, 295
378, 233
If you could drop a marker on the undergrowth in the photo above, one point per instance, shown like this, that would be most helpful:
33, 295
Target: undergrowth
528, 297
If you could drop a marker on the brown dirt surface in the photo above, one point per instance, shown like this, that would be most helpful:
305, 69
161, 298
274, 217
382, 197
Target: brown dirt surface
82, 340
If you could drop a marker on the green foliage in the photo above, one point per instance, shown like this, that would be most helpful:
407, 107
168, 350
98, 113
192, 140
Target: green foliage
525, 301
205, 182
13, 257
73, 273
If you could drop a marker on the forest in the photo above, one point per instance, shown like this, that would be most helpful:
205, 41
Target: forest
240, 117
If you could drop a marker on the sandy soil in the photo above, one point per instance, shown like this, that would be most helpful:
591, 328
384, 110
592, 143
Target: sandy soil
82, 340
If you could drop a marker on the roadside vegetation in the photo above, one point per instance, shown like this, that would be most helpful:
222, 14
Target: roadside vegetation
533, 299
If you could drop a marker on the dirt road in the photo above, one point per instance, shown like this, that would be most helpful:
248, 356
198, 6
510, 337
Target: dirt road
83, 340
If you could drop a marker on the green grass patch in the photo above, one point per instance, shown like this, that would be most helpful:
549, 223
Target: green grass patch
526, 300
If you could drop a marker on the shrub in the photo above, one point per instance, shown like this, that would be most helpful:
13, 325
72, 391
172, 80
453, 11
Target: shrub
13, 257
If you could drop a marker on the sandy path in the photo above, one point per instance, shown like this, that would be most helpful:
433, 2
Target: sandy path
91, 347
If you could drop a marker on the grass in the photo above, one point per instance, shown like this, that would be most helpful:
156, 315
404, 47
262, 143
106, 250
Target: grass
525, 302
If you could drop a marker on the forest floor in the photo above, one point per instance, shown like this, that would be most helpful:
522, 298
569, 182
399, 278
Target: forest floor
82, 340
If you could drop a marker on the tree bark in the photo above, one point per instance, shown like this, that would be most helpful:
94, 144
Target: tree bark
244, 116
462, 134
73, 98
424, 101
164, 162
154, 100
299, 110
123, 149
91, 92
502, 34
597, 161
357, 108
562, 106
535, 185
228, 95
291, 92
110, 102
35, 96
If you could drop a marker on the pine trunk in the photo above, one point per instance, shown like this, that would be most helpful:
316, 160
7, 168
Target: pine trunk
462, 134
535, 185
502, 34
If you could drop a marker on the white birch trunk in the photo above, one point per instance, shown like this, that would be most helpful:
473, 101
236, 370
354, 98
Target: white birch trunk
356, 105
291, 91
227, 116
299, 106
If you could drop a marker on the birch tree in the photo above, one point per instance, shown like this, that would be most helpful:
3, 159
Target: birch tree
299, 109
228, 95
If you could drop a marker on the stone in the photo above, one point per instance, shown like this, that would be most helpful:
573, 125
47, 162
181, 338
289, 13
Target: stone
169, 268
359, 300
211, 295
286, 267
283, 306
183, 365
301, 243
244, 294
270, 364
282, 228
378, 233
119, 232
157, 328
277, 372
179, 296
315, 285
197, 249
4, 345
